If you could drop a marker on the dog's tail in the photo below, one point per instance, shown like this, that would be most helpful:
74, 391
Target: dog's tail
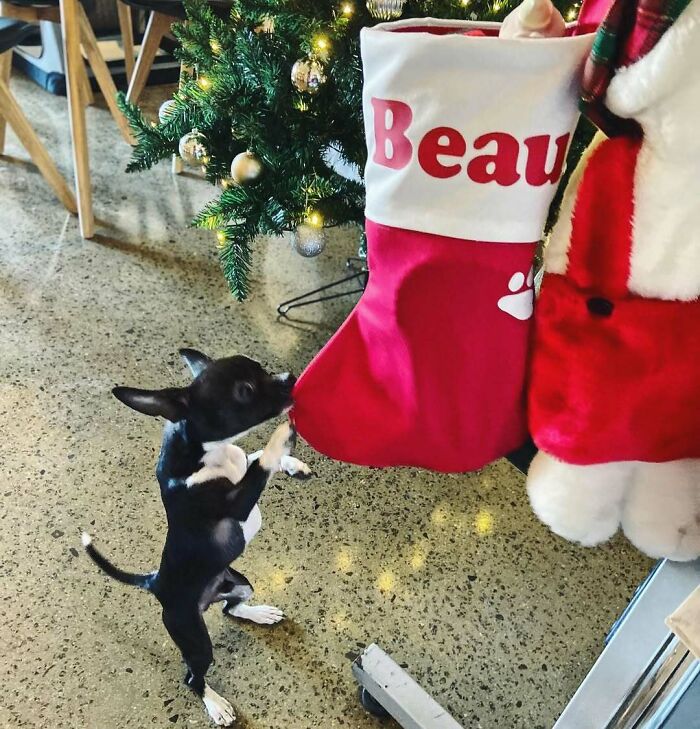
128, 578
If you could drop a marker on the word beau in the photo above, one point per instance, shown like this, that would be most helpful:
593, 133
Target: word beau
441, 149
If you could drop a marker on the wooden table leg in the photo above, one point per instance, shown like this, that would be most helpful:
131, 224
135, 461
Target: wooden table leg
102, 74
13, 115
70, 27
127, 31
5, 71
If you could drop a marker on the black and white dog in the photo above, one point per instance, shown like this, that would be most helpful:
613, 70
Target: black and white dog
210, 491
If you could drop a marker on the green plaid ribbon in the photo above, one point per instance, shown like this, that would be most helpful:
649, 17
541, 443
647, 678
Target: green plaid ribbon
629, 31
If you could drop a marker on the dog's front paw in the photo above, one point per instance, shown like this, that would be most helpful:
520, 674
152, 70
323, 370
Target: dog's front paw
295, 468
220, 711
279, 446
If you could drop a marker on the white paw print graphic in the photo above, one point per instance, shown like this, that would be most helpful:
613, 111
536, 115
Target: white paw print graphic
520, 302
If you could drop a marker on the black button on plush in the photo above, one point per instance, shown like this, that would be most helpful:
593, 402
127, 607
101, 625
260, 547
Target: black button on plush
598, 306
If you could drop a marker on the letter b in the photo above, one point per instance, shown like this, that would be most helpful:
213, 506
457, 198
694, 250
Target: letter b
391, 120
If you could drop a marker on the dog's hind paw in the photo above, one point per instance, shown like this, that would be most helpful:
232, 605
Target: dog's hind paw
295, 468
260, 614
220, 711
279, 445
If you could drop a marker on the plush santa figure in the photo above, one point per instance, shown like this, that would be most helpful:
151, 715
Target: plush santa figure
614, 399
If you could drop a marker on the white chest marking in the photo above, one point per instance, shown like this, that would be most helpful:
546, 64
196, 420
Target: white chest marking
220, 460
252, 524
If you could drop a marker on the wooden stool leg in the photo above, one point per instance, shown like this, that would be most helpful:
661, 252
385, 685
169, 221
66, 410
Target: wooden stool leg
71, 52
85, 87
5, 71
9, 108
158, 25
102, 74
16, 119
127, 31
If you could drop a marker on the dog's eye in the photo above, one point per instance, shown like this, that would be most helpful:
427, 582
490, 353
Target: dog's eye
243, 392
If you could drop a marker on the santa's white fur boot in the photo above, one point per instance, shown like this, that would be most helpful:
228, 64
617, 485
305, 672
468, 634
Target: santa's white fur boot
661, 514
580, 503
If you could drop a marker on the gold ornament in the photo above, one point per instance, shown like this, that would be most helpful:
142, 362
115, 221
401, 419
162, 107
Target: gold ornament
166, 110
386, 9
193, 148
309, 240
246, 167
308, 75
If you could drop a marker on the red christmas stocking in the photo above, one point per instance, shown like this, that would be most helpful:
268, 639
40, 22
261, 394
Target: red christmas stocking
467, 137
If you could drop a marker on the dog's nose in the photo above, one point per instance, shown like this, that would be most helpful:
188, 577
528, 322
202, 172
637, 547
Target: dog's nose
287, 379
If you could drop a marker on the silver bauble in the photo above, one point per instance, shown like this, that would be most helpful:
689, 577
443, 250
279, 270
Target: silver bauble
309, 240
193, 148
166, 110
246, 167
386, 9
308, 75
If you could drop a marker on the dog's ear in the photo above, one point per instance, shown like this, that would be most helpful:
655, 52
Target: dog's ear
172, 403
196, 361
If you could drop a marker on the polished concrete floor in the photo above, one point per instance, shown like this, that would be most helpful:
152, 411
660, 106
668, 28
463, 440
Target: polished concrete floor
452, 575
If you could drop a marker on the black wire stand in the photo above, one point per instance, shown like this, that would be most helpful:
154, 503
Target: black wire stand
360, 273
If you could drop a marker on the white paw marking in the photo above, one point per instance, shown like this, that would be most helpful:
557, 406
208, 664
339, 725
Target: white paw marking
293, 466
251, 526
520, 303
220, 460
261, 614
278, 446
220, 711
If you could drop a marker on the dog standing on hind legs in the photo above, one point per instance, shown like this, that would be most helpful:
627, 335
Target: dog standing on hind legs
210, 491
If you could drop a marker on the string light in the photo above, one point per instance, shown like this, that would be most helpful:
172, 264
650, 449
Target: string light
315, 218
215, 46
322, 46
348, 9
221, 237
204, 83
572, 13
464, 3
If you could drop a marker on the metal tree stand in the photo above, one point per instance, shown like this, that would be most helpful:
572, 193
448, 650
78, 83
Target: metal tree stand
360, 272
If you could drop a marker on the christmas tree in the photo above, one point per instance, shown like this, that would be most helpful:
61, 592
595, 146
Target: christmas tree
274, 92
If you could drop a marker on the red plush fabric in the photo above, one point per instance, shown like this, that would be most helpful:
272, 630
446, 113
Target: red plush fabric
614, 376
428, 370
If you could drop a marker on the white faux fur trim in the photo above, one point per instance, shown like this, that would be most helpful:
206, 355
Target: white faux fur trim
556, 253
662, 92
673, 62
665, 260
